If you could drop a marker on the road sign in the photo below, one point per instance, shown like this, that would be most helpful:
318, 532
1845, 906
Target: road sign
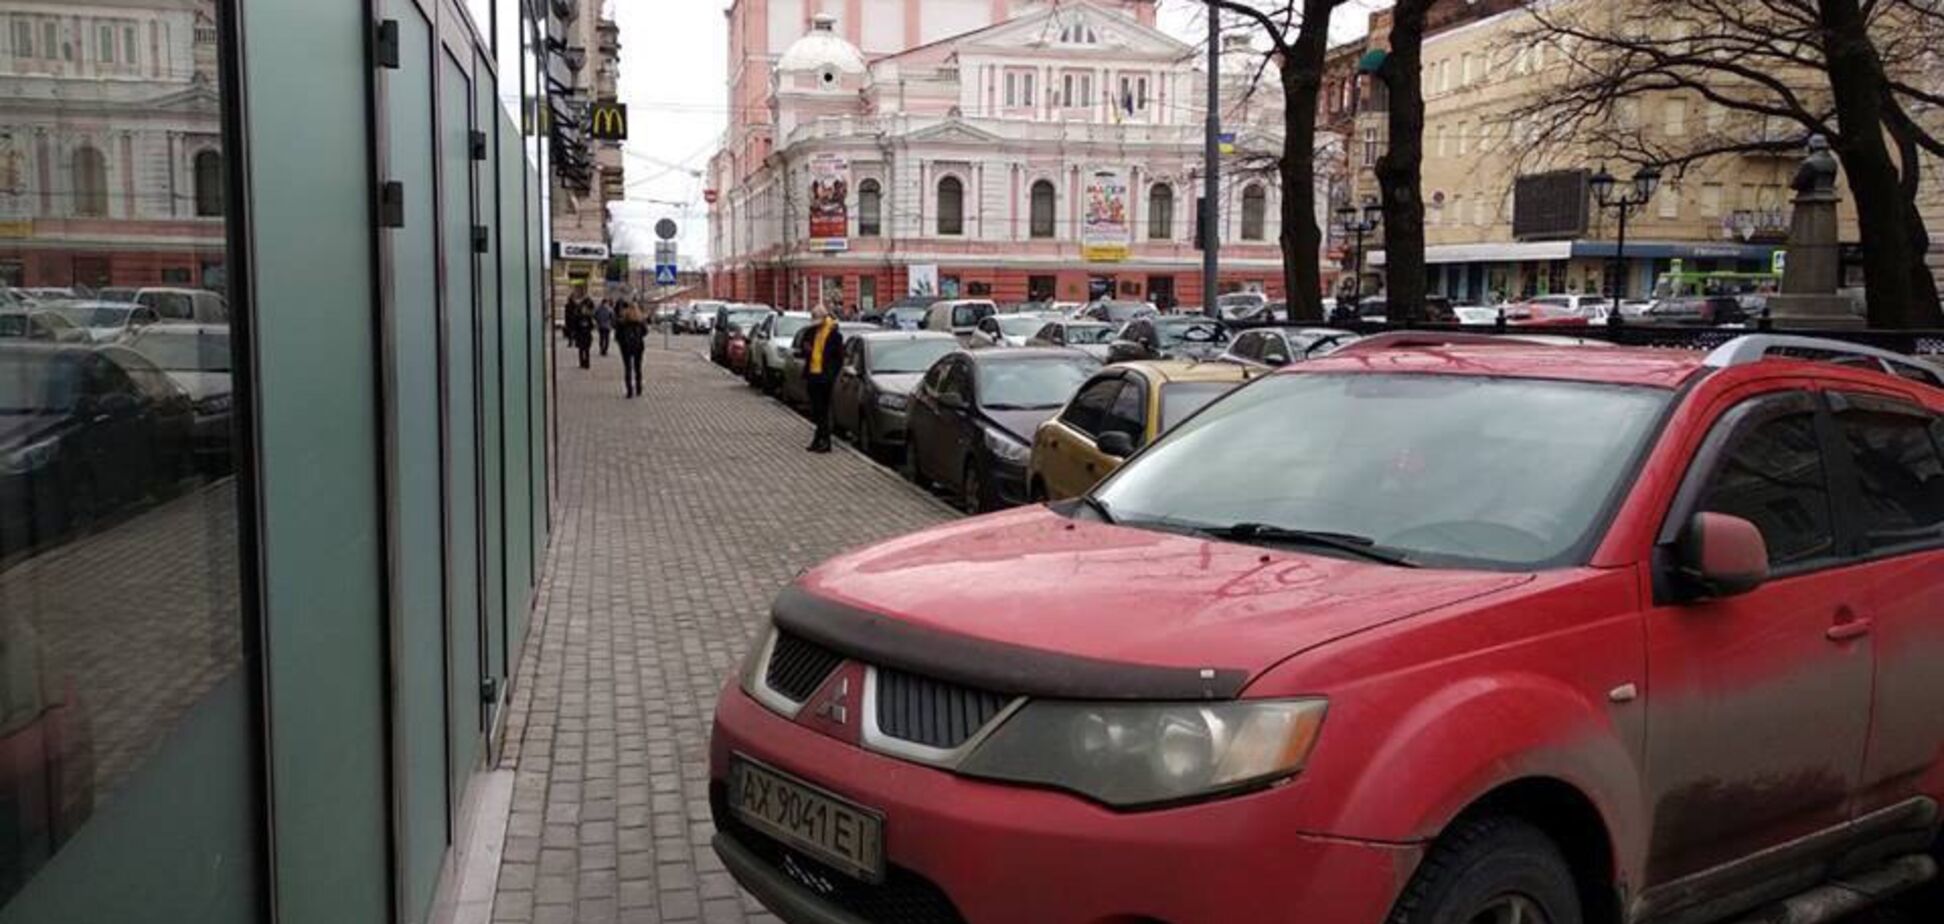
665, 229
664, 274
608, 121
664, 252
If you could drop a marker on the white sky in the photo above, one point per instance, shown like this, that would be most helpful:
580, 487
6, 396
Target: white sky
674, 77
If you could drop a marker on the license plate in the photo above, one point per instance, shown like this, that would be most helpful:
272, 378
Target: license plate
834, 831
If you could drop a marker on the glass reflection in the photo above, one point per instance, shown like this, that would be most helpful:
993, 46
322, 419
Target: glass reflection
119, 590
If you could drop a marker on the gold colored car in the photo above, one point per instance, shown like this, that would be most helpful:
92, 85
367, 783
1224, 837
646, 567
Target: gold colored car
1122, 408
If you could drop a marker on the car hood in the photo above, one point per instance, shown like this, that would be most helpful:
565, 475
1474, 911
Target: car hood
1033, 579
1021, 424
202, 385
897, 383
17, 430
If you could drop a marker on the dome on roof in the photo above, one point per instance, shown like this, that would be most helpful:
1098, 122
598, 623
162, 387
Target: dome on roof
822, 50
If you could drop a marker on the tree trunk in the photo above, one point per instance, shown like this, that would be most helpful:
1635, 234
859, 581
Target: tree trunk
1400, 170
1884, 212
1302, 240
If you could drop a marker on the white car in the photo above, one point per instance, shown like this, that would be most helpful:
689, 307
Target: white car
106, 322
1009, 329
960, 316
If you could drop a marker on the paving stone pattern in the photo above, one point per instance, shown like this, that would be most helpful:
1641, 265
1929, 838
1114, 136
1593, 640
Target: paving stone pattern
678, 518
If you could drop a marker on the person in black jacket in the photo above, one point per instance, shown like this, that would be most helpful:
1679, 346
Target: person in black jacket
822, 354
580, 324
631, 335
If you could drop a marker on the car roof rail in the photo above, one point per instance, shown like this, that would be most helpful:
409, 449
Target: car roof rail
1415, 339
1754, 348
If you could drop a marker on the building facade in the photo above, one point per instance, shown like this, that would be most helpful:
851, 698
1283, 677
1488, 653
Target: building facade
1042, 152
589, 174
273, 448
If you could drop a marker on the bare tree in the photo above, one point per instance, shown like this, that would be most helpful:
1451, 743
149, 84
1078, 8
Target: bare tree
1298, 32
1400, 171
1778, 71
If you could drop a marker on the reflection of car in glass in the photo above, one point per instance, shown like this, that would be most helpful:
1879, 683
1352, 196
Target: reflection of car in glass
197, 358
971, 420
46, 754
106, 322
874, 387
1170, 337
1121, 409
795, 389
195, 305
1007, 329
1274, 347
39, 324
1090, 337
83, 431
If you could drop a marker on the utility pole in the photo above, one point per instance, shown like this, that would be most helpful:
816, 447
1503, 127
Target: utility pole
1212, 152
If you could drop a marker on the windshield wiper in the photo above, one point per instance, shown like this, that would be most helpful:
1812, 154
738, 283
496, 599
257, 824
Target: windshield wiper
1360, 546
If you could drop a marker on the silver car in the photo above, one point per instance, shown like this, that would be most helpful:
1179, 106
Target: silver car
769, 348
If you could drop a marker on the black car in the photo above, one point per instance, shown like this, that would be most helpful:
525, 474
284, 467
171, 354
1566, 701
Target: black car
1273, 347
82, 435
1184, 336
970, 423
874, 387
1700, 310
1375, 309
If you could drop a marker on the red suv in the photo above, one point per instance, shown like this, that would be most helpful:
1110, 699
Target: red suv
1438, 629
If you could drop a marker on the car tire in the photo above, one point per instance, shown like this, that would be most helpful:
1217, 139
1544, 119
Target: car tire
1486, 863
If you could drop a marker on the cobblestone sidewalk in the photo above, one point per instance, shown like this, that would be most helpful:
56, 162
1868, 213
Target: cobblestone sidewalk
680, 515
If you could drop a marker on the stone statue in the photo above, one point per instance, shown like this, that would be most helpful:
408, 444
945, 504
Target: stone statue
1818, 171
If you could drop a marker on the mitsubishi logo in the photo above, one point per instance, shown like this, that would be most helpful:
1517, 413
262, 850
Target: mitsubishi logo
836, 708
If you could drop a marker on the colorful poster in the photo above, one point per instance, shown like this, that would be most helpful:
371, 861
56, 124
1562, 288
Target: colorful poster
829, 211
1105, 234
923, 279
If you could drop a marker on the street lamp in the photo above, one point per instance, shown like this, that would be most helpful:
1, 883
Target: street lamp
1646, 181
1359, 222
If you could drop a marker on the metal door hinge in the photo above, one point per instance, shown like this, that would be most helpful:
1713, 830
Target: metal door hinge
385, 44
478, 145
489, 690
391, 205
482, 239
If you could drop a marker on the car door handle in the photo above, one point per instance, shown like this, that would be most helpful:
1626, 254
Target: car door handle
1847, 631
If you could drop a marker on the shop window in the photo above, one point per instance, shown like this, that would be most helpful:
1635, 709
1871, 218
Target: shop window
1042, 210
1160, 212
1255, 209
951, 206
870, 209
209, 184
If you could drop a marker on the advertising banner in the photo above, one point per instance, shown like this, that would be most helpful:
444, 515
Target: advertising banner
923, 279
1105, 234
829, 213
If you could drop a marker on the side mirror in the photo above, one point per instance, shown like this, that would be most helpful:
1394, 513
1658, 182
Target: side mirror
1722, 556
1116, 444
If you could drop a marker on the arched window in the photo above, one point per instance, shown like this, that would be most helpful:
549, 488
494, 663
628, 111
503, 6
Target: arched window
870, 209
1160, 213
951, 206
1043, 204
209, 184
90, 182
1255, 210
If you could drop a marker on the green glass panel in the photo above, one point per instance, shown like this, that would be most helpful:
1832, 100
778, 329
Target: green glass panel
461, 425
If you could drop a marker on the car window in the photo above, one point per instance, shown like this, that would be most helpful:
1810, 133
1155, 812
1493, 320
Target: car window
1274, 349
1128, 413
1089, 408
1049, 333
1248, 346
935, 379
1181, 400
989, 326
1898, 474
1772, 475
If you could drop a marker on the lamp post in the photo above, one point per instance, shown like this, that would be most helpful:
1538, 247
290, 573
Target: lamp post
1645, 181
1211, 179
1353, 220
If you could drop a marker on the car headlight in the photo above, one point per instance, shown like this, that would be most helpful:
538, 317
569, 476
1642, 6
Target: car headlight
893, 402
1007, 449
30, 457
1135, 755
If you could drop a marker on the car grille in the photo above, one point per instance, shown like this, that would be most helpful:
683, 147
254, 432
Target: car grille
932, 712
798, 667
904, 897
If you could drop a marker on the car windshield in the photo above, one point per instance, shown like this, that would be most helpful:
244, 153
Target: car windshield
94, 316
1239, 300
116, 295
36, 383
898, 357
186, 352
787, 326
1465, 470
1176, 333
1125, 311
1182, 399
1019, 325
1087, 334
15, 325
1032, 383
177, 305
906, 317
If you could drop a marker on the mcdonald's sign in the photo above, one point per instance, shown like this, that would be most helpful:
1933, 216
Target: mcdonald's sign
608, 121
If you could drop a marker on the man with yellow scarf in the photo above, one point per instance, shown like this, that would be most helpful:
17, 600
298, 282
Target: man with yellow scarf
822, 354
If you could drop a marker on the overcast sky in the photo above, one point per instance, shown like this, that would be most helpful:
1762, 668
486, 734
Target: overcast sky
673, 77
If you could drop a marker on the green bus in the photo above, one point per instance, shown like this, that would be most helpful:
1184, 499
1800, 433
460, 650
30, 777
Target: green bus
1699, 285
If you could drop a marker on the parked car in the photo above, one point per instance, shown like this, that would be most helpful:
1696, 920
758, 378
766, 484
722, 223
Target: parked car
1558, 311
730, 320
1375, 309
1170, 337
908, 313
116, 294
769, 348
1417, 632
970, 422
1115, 312
873, 389
795, 390
83, 431
1698, 310
1275, 347
1241, 306
735, 349
689, 319
1007, 329
39, 324
198, 306
197, 358
959, 316
1090, 337
105, 322
1121, 409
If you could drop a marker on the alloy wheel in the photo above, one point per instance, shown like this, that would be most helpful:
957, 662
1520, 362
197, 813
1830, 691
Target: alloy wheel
1510, 909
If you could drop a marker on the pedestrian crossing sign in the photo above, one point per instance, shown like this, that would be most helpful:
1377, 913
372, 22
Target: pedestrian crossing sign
664, 274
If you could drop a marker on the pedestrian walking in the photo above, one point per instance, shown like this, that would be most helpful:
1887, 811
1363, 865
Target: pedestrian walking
631, 333
580, 326
577, 304
604, 322
823, 354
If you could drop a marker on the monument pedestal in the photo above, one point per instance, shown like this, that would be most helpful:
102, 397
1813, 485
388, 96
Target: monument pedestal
1808, 298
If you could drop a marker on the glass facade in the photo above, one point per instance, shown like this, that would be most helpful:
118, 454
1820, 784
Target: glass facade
272, 448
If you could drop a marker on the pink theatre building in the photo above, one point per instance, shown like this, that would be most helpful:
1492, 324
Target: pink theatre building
1009, 149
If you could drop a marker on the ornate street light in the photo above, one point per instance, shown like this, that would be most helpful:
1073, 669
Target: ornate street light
1646, 181
1359, 222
